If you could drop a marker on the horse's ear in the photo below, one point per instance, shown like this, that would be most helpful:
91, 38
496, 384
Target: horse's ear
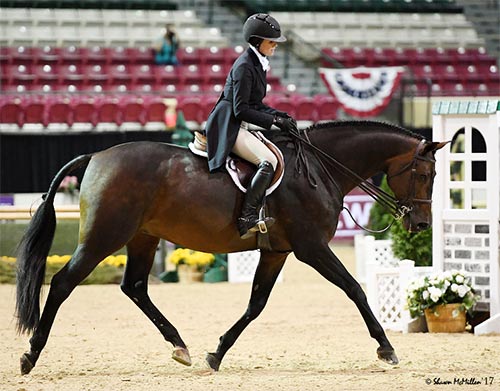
433, 146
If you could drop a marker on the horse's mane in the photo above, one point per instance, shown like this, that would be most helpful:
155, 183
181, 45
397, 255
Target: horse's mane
364, 125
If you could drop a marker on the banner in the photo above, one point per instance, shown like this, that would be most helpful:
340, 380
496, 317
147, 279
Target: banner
362, 92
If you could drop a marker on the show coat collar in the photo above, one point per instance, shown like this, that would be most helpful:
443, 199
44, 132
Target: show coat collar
262, 59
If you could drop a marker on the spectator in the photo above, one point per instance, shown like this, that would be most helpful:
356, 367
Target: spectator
165, 51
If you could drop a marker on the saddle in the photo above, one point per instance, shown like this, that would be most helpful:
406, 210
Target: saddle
240, 170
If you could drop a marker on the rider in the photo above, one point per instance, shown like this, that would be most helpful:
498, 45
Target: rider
241, 104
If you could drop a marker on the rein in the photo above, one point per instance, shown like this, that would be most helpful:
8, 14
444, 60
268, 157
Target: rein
397, 208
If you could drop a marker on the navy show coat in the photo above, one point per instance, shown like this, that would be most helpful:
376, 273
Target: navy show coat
241, 100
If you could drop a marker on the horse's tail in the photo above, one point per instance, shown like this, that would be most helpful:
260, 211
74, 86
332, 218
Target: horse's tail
33, 250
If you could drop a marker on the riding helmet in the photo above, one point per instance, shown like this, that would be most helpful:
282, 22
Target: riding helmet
262, 26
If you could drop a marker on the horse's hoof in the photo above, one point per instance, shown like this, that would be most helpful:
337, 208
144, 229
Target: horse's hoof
26, 364
212, 361
388, 356
182, 356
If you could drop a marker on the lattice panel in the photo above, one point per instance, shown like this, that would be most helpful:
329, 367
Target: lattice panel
241, 267
382, 253
389, 299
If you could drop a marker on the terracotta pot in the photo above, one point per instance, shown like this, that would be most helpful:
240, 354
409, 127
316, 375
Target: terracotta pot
445, 318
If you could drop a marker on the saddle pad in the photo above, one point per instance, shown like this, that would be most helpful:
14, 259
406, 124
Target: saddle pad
241, 171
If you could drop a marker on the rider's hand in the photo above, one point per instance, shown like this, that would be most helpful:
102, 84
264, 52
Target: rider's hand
286, 115
287, 124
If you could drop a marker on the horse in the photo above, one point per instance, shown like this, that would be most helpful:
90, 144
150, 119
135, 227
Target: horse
153, 190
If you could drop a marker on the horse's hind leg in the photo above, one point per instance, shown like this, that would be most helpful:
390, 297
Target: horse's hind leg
269, 268
141, 250
81, 264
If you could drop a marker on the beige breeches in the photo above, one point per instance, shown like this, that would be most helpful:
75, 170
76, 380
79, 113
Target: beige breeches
250, 148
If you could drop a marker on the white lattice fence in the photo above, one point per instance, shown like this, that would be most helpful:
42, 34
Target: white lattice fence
241, 266
386, 281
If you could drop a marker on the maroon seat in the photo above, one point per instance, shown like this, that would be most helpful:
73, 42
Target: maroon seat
46, 55
34, 112
73, 55
167, 74
6, 54
109, 111
118, 55
141, 55
189, 55
22, 55
85, 111
11, 112
305, 108
96, 55
192, 107
60, 112
327, 107
212, 55
133, 110
191, 74
46, 74
213, 74
95, 74
143, 74
155, 110
18, 74
71, 74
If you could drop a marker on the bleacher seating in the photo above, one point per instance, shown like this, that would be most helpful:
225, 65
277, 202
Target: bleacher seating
91, 67
101, 27
457, 71
352, 5
380, 30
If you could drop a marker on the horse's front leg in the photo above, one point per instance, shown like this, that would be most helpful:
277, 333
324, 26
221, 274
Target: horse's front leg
321, 258
270, 265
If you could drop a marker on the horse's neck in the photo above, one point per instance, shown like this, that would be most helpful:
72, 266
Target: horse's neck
366, 152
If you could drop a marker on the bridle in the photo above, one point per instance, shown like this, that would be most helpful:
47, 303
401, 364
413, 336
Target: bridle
397, 208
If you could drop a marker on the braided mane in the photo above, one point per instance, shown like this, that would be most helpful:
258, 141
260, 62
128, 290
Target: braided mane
364, 125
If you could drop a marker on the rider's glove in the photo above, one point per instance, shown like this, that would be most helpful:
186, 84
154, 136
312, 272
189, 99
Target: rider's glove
287, 124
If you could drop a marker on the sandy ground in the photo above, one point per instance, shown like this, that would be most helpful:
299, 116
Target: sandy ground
309, 337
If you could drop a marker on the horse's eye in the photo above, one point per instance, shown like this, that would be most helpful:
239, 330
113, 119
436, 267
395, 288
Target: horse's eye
423, 177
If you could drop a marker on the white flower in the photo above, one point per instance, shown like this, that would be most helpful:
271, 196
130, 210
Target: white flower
454, 288
459, 278
462, 290
425, 294
435, 293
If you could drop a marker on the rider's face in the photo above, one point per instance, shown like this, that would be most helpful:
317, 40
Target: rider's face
267, 47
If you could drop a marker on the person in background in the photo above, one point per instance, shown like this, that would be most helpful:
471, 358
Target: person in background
165, 51
241, 104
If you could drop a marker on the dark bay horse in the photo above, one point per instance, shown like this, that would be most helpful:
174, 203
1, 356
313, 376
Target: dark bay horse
134, 194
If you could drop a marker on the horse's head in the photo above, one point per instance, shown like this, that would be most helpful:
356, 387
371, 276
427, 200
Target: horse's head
411, 176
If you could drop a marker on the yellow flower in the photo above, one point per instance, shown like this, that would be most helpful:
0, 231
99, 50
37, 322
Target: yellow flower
190, 257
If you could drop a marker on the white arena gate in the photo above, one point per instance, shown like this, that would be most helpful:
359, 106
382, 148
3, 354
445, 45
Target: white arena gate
466, 198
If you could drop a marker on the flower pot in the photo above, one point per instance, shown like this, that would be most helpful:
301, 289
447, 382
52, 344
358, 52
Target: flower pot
445, 318
189, 274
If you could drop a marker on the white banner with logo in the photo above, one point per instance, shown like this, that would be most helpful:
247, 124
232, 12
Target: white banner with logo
362, 91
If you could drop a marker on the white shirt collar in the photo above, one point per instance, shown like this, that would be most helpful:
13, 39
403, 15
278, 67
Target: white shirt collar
263, 59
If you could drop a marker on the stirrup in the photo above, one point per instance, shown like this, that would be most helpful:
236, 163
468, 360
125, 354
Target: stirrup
260, 225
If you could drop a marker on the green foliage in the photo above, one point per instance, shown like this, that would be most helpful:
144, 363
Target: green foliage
414, 246
405, 245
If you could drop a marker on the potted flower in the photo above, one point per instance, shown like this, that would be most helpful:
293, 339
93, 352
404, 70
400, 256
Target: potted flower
443, 299
191, 265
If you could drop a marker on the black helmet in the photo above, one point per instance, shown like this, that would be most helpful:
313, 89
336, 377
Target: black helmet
262, 26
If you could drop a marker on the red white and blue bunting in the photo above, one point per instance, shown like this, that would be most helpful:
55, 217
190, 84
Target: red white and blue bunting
362, 92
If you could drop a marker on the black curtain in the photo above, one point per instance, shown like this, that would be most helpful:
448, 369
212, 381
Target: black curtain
29, 162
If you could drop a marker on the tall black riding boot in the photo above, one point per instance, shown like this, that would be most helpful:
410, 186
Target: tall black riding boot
249, 221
